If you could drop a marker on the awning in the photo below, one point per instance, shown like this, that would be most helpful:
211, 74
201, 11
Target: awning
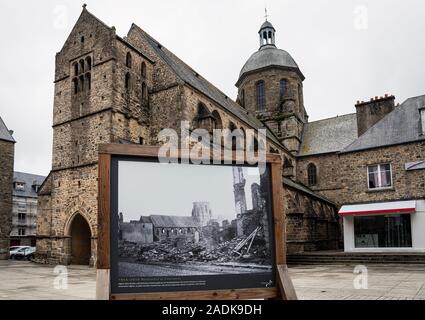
379, 208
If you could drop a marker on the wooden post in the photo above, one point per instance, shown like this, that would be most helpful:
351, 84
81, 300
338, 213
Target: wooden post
102, 284
286, 286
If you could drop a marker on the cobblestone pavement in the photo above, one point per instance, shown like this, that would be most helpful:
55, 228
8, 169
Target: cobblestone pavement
25, 280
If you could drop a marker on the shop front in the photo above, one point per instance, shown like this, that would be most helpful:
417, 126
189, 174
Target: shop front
384, 227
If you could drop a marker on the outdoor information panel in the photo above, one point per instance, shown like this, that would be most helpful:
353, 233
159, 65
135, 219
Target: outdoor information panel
186, 231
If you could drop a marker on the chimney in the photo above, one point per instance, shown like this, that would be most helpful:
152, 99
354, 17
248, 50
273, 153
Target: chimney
371, 112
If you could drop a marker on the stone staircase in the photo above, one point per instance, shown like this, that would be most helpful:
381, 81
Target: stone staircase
336, 257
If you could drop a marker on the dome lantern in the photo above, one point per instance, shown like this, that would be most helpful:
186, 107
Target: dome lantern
267, 34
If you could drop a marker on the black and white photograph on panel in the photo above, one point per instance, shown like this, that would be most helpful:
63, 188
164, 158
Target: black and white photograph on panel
184, 227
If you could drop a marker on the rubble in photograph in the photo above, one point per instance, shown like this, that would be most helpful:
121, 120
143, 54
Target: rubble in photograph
238, 250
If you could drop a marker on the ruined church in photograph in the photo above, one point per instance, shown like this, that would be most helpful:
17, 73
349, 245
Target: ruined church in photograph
112, 89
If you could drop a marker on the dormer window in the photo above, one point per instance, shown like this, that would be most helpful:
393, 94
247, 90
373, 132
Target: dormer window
422, 111
19, 186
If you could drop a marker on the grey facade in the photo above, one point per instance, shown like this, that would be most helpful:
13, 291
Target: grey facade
25, 202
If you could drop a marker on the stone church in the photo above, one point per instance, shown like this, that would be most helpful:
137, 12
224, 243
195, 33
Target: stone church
112, 89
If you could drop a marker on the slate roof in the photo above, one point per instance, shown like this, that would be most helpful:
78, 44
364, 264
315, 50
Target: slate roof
266, 24
4, 132
30, 180
268, 56
173, 222
328, 135
192, 78
402, 125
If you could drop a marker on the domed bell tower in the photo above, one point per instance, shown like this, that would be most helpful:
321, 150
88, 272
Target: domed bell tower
270, 86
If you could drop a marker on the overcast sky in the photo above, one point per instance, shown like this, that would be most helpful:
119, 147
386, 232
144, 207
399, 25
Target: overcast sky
146, 189
348, 50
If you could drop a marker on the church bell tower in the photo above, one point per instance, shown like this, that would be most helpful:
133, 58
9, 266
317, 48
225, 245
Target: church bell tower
270, 86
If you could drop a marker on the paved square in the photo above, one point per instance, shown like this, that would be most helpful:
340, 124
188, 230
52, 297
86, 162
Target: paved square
336, 282
26, 280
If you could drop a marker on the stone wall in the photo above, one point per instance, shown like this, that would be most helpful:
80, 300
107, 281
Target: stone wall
73, 191
343, 178
406, 184
329, 174
7, 153
284, 115
370, 113
312, 224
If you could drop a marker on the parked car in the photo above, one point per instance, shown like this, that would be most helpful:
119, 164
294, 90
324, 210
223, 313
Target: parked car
25, 253
14, 249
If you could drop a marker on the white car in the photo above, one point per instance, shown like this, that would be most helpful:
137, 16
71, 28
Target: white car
13, 249
23, 253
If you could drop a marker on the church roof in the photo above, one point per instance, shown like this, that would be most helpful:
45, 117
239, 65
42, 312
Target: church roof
328, 135
4, 132
403, 125
269, 56
266, 24
173, 222
192, 78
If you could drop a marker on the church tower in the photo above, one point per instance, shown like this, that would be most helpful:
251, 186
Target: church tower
270, 86
101, 96
239, 182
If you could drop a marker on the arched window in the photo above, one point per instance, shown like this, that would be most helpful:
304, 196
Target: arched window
234, 135
75, 66
283, 87
218, 123
202, 110
243, 98
300, 95
82, 65
88, 63
82, 83
127, 82
312, 175
128, 60
204, 119
144, 91
255, 144
88, 81
143, 69
261, 97
75, 85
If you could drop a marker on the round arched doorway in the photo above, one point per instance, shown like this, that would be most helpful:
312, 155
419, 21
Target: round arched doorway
80, 241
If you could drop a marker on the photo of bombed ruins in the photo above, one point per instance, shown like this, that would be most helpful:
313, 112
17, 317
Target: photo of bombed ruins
192, 231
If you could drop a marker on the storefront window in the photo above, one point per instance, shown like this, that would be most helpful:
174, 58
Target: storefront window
383, 231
